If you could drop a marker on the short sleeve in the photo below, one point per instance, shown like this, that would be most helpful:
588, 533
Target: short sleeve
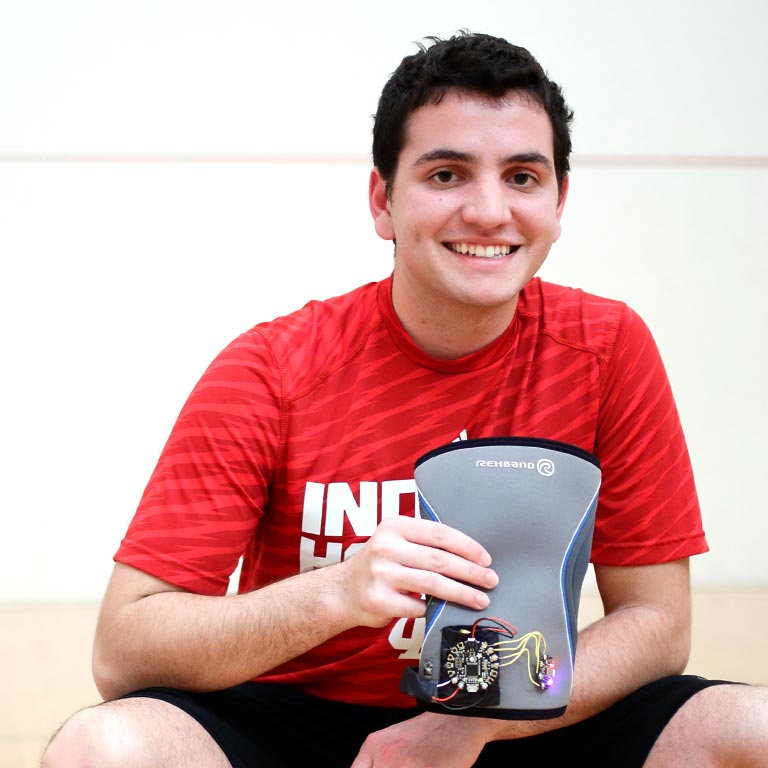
648, 509
204, 499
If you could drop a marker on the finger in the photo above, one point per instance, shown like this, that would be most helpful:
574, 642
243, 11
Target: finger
446, 563
439, 586
434, 534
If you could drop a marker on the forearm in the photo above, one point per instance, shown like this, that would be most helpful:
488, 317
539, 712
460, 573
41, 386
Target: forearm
151, 633
197, 642
615, 656
631, 646
644, 635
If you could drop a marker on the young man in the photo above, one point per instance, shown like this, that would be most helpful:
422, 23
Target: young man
296, 451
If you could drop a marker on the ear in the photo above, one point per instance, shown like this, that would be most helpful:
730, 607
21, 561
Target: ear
561, 203
379, 205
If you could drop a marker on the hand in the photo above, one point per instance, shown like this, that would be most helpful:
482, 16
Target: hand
407, 557
429, 739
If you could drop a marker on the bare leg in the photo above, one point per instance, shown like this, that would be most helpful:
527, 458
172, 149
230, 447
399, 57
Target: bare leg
133, 733
725, 726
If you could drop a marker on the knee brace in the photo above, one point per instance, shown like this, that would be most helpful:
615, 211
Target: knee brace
531, 503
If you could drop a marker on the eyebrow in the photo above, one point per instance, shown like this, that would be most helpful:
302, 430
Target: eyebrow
453, 155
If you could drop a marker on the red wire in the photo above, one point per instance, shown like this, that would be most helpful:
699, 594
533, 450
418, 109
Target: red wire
511, 629
447, 698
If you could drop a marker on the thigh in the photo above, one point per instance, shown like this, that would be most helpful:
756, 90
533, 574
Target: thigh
620, 737
263, 726
133, 733
727, 725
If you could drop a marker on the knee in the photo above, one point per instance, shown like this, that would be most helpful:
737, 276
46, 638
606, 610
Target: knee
70, 744
725, 725
89, 738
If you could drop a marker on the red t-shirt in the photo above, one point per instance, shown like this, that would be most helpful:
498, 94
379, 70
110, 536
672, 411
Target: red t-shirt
303, 433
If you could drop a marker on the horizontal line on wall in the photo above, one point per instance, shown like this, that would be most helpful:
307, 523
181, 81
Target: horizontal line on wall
577, 160
39, 737
672, 161
190, 158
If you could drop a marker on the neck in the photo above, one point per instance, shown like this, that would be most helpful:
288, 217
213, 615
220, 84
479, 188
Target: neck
450, 331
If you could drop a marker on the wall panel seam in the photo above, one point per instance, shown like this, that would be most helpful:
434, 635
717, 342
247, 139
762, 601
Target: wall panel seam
161, 158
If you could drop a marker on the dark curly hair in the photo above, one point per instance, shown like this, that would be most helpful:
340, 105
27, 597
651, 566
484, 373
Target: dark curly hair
471, 62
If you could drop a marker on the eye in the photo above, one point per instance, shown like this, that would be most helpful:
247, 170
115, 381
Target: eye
444, 176
522, 179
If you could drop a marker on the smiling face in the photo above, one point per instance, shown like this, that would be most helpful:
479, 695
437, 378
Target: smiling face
474, 208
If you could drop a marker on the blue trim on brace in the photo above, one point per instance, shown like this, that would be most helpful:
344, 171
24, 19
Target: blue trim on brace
590, 507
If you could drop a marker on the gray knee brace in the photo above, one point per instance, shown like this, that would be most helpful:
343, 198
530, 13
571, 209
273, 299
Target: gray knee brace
531, 504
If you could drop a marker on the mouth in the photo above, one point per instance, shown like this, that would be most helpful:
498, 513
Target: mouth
482, 251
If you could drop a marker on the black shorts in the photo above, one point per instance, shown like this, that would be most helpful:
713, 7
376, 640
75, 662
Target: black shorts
267, 725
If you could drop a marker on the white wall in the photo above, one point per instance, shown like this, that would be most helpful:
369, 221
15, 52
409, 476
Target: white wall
172, 172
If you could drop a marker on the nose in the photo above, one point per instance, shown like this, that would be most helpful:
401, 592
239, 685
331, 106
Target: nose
487, 205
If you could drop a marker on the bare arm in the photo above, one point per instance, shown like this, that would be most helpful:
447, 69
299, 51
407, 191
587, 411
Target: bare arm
152, 633
644, 635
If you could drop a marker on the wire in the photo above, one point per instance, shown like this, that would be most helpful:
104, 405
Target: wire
507, 629
446, 698
467, 706
527, 652
521, 647
508, 650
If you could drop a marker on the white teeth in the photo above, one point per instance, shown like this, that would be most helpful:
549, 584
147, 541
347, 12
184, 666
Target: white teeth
483, 251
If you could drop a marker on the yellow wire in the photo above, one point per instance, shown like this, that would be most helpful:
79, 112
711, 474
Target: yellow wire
517, 647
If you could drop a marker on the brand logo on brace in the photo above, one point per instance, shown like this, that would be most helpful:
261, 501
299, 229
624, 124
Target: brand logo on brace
545, 467
504, 464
